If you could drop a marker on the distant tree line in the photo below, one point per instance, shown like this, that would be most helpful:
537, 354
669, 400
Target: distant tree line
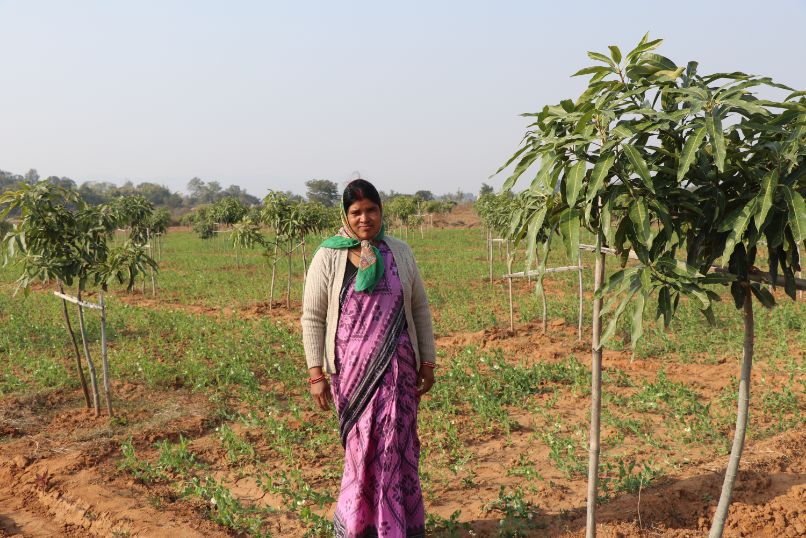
204, 193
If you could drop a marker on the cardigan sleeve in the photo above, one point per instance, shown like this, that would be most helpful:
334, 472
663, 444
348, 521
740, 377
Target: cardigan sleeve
314, 310
421, 314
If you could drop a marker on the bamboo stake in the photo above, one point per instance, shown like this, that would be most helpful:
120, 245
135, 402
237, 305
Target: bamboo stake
490, 250
511, 308
90, 365
579, 323
104, 355
596, 394
288, 288
273, 274
304, 267
81, 377
743, 405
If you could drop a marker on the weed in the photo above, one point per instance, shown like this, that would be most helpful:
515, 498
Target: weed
621, 478
563, 452
237, 448
224, 509
436, 525
519, 513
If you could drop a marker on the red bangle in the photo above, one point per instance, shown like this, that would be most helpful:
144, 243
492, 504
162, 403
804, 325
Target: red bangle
431, 365
315, 380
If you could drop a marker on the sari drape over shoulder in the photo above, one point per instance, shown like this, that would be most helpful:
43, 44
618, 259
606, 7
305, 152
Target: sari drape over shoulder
375, 392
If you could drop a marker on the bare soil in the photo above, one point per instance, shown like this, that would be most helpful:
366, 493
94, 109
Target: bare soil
59, 477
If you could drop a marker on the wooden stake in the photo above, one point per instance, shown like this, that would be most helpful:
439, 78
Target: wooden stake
96, 398
490, 250
273, 274
579, 323
288, 288
511, 307
104, 356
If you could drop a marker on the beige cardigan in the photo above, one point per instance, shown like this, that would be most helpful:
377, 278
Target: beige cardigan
320, 305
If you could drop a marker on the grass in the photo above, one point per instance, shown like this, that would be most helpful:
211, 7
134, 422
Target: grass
208, 333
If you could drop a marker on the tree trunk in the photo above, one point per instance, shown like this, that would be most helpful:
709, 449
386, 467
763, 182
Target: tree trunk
273, 275
721, 514
105, 356
596, 393
96, 398
288, 286
81, 377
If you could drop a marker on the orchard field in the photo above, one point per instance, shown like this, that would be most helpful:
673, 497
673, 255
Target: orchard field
215, 434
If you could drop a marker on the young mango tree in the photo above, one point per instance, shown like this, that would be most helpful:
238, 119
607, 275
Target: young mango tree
61, 238
689, 171
245, 235
43, 243
285, 217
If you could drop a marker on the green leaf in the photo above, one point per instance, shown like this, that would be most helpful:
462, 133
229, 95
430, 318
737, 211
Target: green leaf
639, 165
524, 163
601, 57
714, 125
600, 171
644, 46
615, 53
690, 148
611, 326
535, 224
573, 182
765, 197
742, 220
637, 319
639, 215
540, 183
763, 295
797, 213
594, 70
569, 230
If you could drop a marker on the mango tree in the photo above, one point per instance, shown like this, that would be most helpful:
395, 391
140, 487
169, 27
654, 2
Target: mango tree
285, 218
687, 170
59, 237
245, 235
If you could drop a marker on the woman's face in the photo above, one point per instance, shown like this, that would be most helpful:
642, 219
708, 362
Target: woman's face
364, 218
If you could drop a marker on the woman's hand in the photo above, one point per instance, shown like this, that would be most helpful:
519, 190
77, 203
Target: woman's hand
425, 379
320, 390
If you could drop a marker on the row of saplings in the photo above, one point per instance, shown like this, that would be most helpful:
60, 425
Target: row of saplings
290, 221
693, 176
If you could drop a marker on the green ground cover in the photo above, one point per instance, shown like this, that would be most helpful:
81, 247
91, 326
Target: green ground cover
200, 335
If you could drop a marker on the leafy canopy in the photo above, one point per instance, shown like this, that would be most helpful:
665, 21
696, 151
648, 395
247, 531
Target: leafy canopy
687, 170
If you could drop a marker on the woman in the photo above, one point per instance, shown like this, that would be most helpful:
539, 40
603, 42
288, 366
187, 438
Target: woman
366, 322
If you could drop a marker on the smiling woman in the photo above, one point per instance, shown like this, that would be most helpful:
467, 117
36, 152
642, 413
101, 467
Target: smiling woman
367, 323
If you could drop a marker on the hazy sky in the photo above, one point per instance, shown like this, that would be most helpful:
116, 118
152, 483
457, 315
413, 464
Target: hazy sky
414, 95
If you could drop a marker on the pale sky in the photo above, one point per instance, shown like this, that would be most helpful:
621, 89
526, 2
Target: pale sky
266, 95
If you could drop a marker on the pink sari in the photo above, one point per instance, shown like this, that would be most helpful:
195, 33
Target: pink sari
375, 392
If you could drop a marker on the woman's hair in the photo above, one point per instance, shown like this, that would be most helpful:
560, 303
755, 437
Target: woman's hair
359, 189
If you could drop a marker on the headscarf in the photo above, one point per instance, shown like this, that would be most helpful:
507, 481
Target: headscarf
370, 268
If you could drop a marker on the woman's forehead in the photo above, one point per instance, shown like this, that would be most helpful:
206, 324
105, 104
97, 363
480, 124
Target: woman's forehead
364, 204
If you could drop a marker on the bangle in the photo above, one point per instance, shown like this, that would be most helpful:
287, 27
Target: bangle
431, 365
315, 380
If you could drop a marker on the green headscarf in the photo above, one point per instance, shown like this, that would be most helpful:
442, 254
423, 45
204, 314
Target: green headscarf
370, 268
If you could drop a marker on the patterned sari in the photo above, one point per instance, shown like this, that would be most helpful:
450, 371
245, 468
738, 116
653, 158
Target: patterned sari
375, 392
